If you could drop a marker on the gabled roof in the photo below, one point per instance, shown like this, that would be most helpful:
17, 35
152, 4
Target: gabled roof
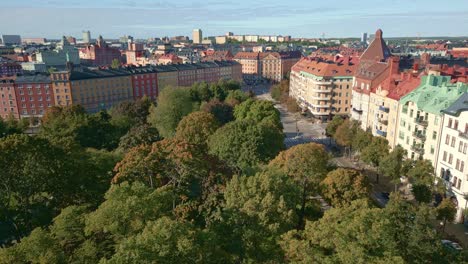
326, 68
377, 50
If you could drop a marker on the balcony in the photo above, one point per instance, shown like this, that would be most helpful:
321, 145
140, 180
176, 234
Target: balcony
381, 133
325, 90
463, 134
419, 135
383, 121
420, 121
384, 109
321, 98
418, 148
359, 111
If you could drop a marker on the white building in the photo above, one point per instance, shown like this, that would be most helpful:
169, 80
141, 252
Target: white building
34, 66
452, 162
197, 36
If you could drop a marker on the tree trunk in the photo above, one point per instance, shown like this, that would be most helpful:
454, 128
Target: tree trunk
303, 204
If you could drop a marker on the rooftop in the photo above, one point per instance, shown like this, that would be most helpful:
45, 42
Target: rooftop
435, 93
460, 105
343, 66
377, 50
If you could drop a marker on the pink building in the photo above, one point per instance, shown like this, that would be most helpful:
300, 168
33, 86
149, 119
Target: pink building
8, 105
99, 54
34, 95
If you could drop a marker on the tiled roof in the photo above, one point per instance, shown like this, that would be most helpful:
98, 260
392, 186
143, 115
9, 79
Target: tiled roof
372, 70
327, 68
247, 55
401, 84
36, 78
377, 50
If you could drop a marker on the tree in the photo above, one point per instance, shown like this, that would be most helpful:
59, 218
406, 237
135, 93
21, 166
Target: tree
244, 144
12, 126
333, 125
446, 212
342, 186
138, 135
422, 172
38, 247
307, 165
258, 111
172, 105
361, 139
344, 134
375, 152
126, 115
292, 106
167, 241
392, 165
236, 97
127, 208
196, 128
115, 64
223, 112
200, 92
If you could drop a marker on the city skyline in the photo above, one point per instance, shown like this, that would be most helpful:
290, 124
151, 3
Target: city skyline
145, 18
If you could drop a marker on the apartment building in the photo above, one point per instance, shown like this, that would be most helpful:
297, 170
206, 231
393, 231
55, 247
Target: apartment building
144, 81
419, 130
452, 160
8, 102
34, 94
272, 66
372, 71
322, 86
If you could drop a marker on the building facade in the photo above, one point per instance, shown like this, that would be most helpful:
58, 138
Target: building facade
372, 71
8, 100
197, 36
34, 95
452, 160
99, 54
323, 87
63, 54
419, 131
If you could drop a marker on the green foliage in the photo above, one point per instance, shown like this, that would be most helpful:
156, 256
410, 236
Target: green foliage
115, 64
333, 125
342, 186
307, 165
422, 172
172, 105
196, 127
258, 111
446, 211
236, 97
62, 125
127, 208
292, 106
12, 126
392, 165
374, 153
138, 135
422, 193
223, 112
280, 92
245, 143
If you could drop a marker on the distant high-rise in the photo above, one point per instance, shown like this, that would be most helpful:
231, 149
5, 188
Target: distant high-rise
11, 39
197, 36
364, 38
87, 36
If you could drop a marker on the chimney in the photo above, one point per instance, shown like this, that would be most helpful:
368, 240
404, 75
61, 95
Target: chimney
394, 65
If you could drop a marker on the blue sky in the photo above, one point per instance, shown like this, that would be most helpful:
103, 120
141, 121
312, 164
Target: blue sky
299, 18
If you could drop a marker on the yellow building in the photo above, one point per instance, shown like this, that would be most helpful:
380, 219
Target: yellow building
323, 87
62, 88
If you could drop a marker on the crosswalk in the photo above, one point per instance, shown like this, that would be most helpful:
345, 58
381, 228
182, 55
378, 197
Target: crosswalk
292, 141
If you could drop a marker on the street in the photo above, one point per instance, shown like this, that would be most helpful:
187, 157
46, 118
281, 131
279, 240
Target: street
297, 128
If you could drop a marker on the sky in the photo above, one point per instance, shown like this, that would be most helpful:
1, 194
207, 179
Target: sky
298, 18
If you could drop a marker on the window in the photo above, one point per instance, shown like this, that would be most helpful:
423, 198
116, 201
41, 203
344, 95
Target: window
460, 147
462, 165
444, 158
447, 140
459, 184
450, 123
450, 159
434, 135
453, 142
455, 125
465, 146
457, 165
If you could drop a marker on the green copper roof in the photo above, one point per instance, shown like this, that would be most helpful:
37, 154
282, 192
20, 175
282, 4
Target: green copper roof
435, 93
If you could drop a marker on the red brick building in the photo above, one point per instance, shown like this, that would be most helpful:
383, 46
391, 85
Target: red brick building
34, 95
144, 81
8, 103
99, 54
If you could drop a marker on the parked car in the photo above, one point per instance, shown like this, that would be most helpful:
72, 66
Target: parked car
452, 246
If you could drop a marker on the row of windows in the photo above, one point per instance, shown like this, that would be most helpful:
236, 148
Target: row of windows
452, 142
460, 164
454, 124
